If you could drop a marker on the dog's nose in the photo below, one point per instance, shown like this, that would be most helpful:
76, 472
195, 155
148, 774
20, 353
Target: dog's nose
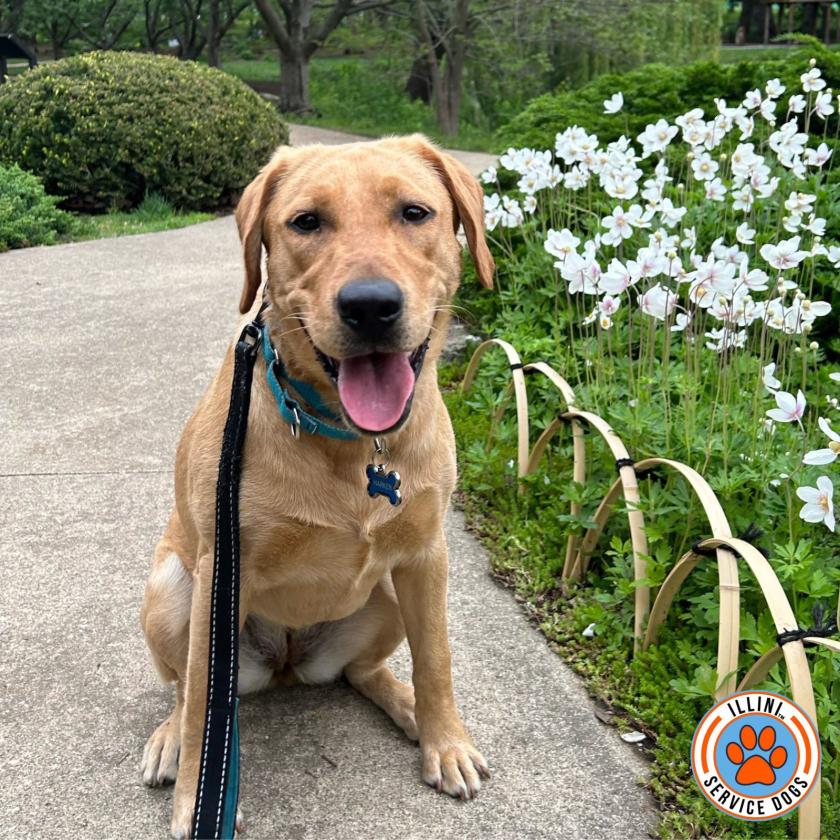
370, 306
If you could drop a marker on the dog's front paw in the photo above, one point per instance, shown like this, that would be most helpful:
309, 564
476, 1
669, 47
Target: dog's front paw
182, 818
454, 766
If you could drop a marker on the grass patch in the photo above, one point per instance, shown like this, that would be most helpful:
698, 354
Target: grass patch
152, 215
365, 96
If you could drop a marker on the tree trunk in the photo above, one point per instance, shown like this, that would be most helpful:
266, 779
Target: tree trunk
448, 105
294, 83
213, 33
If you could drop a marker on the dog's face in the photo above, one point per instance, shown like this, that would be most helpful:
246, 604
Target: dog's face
362, 263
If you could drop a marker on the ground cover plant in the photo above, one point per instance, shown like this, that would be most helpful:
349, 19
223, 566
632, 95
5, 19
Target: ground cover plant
28, 216
683, 277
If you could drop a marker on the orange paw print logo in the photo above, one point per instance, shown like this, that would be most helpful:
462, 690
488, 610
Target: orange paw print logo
758, 768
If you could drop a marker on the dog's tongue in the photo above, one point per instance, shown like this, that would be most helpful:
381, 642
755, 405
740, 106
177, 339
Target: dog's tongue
374, 389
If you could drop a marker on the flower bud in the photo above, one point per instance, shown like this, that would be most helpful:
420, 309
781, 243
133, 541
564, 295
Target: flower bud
797, 349
806, 329
814, 345
812, 62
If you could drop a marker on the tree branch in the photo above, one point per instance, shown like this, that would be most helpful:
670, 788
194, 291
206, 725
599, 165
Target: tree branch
275, 25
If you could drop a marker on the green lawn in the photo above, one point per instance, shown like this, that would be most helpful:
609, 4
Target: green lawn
364, 96
153, 215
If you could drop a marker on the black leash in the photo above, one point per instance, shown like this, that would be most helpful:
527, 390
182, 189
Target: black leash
217, 793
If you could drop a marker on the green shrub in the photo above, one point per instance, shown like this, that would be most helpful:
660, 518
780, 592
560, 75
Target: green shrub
656, 90
104, 129
28, 216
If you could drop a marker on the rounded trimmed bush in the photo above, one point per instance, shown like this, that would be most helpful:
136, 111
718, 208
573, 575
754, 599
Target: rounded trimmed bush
103, 129
28, 216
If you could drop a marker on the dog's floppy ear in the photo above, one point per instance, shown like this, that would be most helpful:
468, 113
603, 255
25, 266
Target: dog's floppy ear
468, 198
249, 219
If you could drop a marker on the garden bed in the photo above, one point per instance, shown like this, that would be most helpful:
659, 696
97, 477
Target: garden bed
683, 279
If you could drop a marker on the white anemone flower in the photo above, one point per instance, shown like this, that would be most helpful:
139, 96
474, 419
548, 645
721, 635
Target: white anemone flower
609, 305
754, 279
767, 109
834, 377
490, 175
638, 217
703, 167
774, 88
618, 226
752, 100
819, 503
800, 203
561, 243
796, 104
784, 255
745, 234
614, 104
822, 105
743, 199
790, 409
725, 339
512, 215
619, 277
658, 302
715, 190
817, 157
815, 225
812, 80
819, 457
576, 178
656, 137
682, 320
792, 223
768, 378
671, 216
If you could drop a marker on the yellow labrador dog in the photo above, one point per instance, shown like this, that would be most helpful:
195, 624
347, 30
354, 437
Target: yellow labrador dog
363, 261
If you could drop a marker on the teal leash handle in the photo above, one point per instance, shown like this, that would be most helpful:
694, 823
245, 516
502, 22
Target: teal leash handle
217, 792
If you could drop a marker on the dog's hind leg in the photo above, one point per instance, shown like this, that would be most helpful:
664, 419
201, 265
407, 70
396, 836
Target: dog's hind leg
165, 619
368, 672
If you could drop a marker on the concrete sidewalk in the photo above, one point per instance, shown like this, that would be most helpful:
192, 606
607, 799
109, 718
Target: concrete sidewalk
106, 346
303, 135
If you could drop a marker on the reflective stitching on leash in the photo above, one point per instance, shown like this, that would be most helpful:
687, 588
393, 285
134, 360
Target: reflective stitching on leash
235, 558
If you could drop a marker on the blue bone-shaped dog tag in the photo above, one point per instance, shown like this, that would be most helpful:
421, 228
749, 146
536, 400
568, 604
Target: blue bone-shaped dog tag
382, 483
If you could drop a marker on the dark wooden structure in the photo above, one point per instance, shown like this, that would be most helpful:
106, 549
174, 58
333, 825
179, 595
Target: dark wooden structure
790, 6
12, 47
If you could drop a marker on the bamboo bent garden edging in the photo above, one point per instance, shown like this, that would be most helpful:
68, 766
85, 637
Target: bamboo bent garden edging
726, 548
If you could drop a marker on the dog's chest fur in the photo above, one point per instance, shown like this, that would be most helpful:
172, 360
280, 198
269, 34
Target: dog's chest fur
299, 574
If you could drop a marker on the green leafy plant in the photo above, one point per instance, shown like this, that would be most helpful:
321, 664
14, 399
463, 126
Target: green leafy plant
103, 129
28, 216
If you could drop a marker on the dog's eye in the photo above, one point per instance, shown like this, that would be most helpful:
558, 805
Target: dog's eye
306, 222
414, 214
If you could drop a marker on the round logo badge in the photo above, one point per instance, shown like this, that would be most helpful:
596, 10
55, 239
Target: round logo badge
755, 755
